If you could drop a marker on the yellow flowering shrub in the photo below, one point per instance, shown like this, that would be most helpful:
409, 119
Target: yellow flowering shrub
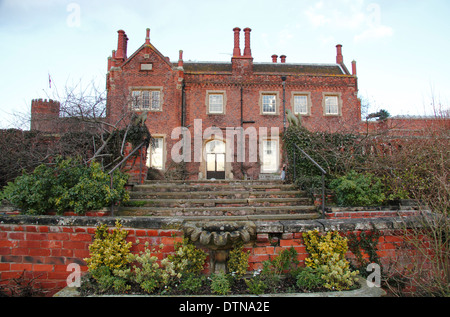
188, 258
322, 248
238, 260
327, 256
109, 249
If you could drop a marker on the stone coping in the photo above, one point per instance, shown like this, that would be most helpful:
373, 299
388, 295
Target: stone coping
363, 291
262, 226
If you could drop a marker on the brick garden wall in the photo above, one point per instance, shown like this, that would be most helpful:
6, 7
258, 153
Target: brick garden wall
44, 246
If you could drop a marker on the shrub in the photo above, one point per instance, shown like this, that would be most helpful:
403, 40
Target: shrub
309, 278
256, 285
238, 260
66, 185
192, 283
220, 284
321, 248
286, 261
327, 255
354, 189
109, 249
187, 258
150, 273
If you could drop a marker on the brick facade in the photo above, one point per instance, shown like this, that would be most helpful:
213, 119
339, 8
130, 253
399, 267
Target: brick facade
185, 88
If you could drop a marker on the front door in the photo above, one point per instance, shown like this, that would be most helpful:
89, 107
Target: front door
215, 160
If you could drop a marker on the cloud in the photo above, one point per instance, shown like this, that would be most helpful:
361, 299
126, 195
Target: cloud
317, 19
363, 19
375, 32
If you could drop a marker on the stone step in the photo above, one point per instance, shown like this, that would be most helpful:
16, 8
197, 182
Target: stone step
215, 211
217, 194
224, 202
165, 187
215, 182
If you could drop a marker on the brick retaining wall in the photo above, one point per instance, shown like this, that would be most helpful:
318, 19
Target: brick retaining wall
43, 246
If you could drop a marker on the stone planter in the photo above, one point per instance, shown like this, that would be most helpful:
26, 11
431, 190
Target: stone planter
363, 291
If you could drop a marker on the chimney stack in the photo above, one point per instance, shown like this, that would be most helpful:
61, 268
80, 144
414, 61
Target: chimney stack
180, 59
237, 49
274, 58
121, 52
339, 57
283, 58
247, 50
354, 68
147, 37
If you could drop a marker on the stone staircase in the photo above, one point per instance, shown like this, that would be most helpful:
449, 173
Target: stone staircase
232, 200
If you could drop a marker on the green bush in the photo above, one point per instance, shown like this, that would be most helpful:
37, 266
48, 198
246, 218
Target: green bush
109, 249
67, 185
220, 284
191, 283
187, 258
309, 278
238, 260
256, 285
327, 259
354, 189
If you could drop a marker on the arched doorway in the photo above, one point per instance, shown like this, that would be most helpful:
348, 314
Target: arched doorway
215, 159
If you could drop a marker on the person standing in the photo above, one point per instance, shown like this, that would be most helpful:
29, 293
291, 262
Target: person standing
283, 172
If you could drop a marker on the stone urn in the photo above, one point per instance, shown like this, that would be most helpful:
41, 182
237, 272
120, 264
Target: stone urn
219, 237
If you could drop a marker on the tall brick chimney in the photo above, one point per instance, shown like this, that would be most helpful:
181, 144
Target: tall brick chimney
121, 52
242, 64
237, 49
354, 68
283, 58
147, 37
247, 50
180, 59
339, 57
274, 58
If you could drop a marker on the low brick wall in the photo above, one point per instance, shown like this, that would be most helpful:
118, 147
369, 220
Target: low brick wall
44, 246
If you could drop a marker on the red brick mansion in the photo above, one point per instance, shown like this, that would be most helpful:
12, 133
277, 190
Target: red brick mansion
224, 119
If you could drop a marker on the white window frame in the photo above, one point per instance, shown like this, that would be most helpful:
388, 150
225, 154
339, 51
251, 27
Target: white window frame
146, 99
275, 99
308, 105
326, 106
212, 93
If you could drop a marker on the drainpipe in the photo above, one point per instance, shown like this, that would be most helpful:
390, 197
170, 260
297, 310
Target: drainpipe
242, 129
183, 104
283, 78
